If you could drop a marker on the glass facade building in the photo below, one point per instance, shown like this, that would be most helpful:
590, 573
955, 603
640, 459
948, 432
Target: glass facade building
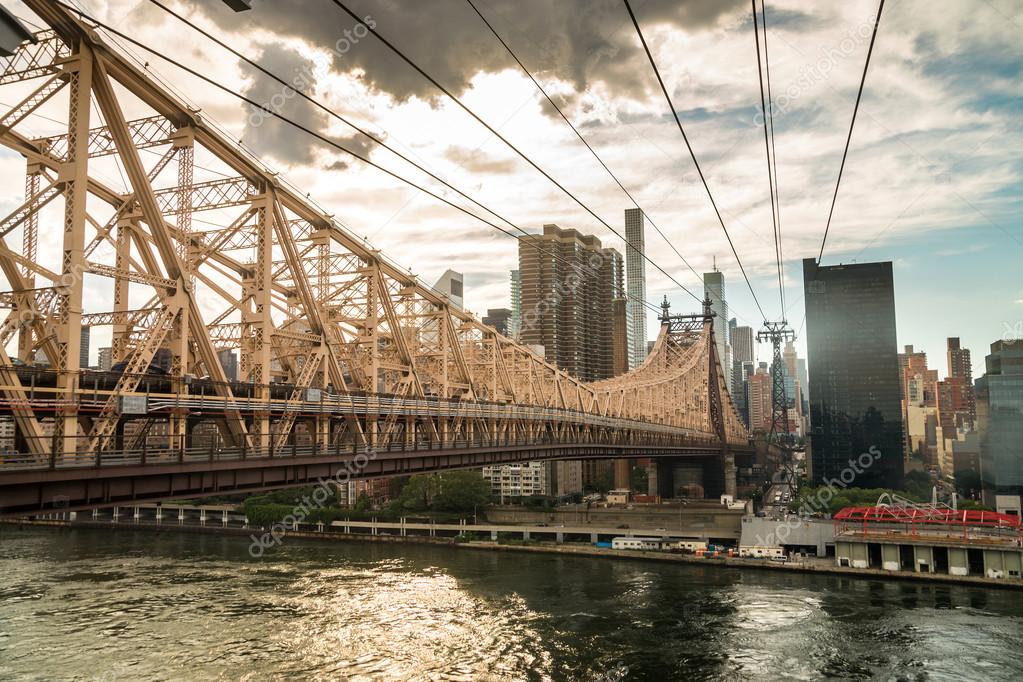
1000, 421
853, 373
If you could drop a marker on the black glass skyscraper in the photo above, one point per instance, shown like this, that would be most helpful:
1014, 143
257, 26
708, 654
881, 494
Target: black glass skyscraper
852, 351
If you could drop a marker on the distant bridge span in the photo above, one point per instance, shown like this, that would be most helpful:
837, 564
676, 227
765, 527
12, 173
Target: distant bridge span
342, 354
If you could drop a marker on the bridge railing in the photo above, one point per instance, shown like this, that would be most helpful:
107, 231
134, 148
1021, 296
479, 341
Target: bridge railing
156, 455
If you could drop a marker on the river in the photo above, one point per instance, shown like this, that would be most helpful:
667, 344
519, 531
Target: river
101, 605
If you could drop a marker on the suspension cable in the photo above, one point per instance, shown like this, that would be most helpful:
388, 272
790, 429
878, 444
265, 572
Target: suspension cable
852, 123
692, 154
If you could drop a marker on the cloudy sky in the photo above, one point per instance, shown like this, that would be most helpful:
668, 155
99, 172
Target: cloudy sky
932, 181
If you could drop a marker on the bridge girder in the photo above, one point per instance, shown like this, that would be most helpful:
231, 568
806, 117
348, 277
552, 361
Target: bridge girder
312, 308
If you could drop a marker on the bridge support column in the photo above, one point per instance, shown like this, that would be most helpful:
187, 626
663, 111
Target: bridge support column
730, 473
623, 474
559, 538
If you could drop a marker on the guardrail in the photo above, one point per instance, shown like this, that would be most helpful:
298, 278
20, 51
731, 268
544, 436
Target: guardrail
12, 461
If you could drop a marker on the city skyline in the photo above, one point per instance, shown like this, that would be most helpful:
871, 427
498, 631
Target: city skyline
373, 291
953, 203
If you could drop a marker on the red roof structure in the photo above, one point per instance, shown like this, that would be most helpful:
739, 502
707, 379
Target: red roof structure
917, 515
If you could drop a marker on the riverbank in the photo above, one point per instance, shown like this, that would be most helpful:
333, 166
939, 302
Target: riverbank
810, 565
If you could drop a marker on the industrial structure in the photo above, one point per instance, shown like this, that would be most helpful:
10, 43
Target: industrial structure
347, 364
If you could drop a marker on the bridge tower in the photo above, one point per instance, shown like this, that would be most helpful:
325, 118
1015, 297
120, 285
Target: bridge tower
722, 475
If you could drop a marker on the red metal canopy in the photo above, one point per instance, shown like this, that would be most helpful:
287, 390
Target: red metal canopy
914, 515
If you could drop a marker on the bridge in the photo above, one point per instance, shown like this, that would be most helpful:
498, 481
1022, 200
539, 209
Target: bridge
348, 365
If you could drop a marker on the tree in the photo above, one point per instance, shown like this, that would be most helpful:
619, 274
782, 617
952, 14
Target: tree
363, 502
640, 480
418, 493
462, 491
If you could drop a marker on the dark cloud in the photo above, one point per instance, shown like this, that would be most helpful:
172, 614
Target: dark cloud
584, 42
266, 135
280, 140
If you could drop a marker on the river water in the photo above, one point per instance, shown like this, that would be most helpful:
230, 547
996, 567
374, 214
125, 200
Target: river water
101, 605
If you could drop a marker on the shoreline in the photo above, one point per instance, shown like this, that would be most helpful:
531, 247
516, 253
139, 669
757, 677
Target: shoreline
579, 550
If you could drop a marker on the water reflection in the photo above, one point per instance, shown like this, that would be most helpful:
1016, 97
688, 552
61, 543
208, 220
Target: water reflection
142, 606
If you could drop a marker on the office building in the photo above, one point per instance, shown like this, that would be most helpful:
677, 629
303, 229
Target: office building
743, 348
516, 305
451, 284
960, 372
620, 336
1000, 422
569, 284
635, 283
500, 319
714, 288
855, 401
229, 361
759, 400
105, 359
83, 352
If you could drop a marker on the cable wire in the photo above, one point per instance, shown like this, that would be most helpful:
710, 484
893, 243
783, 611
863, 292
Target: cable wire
332, 143
767, 150
503, 139
579, 135
852, 123
774, 155
692, 154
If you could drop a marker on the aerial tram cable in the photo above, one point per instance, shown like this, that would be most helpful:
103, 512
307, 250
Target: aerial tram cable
852, 123
692, 154
505, 140
305, 129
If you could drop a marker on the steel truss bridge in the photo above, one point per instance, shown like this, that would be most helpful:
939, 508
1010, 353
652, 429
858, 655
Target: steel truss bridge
346, 360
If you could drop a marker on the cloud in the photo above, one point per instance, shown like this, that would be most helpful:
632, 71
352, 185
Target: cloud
582, 42
263, 133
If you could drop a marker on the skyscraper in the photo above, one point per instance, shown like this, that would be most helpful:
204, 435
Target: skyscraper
960, 375
516, 305
229, 361
714, 288
759, 399
83, 349
1000, 422
499, 319
742, 344
569, 284
105, 359
855, 404
635, 282
452, 285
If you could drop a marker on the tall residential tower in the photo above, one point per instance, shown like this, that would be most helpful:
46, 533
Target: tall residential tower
635, 283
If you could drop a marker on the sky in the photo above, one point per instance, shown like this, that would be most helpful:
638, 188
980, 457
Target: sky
932, 181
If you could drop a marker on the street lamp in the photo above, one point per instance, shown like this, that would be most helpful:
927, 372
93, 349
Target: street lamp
239, 5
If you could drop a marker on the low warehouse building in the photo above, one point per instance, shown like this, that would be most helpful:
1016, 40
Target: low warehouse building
930, 540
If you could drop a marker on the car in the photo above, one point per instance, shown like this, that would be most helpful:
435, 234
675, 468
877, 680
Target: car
541, 525
624, 525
